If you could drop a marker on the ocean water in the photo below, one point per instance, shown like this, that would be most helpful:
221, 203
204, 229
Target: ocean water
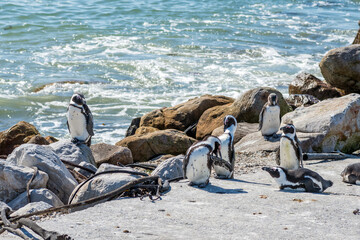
136, 56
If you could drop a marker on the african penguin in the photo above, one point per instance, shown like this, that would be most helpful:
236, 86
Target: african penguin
291, 156
300, 179
351, 174
79, 120
227, 148
269, 118
197, 162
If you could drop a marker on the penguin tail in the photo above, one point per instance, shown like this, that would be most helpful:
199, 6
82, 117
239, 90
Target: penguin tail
327, 184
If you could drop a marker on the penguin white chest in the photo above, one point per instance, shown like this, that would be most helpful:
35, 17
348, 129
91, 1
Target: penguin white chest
225, 147
288, 157
271, 120
197, 170
77, 124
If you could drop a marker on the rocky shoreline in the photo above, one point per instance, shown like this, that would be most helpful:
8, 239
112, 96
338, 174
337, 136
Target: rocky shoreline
325, 114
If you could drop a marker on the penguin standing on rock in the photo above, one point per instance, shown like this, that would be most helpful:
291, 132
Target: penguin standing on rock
269, 118
291, 156
227, 148
300, 179
197, 163
351, 174
79, 120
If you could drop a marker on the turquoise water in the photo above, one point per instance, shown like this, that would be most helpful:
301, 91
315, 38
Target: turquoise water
136, 56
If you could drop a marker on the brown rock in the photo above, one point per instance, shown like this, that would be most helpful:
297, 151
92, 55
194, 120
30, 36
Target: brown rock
144, 130
182, 115
341, 68
245, 109
243, 129
38, 140
147, 146
305, 83
357, 38
15, 136
106, 153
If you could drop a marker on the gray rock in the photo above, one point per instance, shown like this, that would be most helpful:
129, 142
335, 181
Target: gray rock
102, 184
13, 180
75, 153
61, 182
36, 195
170, 168
83, 171
30, 208
341, 68
106, 153
333, 124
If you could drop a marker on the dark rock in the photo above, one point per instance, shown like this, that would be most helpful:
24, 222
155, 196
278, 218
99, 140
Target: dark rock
305, 83
15, 136
135, 124
301, 100
341, 68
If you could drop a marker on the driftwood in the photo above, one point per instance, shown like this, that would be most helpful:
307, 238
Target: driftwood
322, 156
107, 196
146, 166
78, 166
29, 183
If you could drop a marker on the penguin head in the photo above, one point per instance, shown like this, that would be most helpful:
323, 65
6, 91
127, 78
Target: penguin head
230, 123
278, 173
78, 98
272, 99
289, 130
215, 144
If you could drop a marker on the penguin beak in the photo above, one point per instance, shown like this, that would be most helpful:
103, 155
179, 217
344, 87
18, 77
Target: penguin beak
282, 128
274, 103
266, 169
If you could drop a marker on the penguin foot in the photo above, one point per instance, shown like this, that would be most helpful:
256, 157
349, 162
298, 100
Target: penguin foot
202, 185
191, 184
75, 141
220, 177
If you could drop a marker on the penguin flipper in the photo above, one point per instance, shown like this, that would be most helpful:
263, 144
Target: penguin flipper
67, 124
261, 117
185, 163
310, 186
299, 152
89, 120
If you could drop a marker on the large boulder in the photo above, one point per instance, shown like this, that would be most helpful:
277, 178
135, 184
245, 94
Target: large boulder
106, 153
61, 182
144, 147
13, 180
15, 136
333, 123
71, 152
36, 195
242, 129
341, 68
245, 109
170, 168
305, 83
182, 115
102, 184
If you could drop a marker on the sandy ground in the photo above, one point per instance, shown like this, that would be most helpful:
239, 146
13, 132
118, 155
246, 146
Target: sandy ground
248, 207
